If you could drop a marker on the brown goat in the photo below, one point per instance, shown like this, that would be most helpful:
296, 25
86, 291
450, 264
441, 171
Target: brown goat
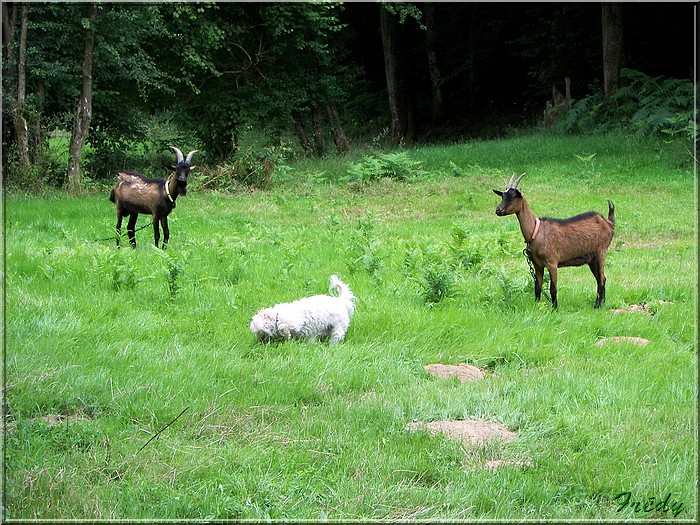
135, 193
555, 243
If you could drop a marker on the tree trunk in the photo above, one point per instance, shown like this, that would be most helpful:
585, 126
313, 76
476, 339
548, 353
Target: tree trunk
301, 131
83, 115
342, 144
319, 145
392, 56
471, 54
612, 47
9, 22
36, 142
21, 127
435, 77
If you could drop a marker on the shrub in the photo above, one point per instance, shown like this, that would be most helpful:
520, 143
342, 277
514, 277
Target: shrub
439, 270
467, 251
363, 250
658, 105
253, 167
398, 166
44, 171
655, 106
174, 270
437, 283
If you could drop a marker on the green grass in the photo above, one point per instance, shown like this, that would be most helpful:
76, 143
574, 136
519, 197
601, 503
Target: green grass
122, 341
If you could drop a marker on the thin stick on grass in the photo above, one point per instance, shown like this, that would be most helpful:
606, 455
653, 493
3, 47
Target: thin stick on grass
161, 430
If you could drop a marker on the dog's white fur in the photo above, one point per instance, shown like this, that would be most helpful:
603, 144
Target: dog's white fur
317, 317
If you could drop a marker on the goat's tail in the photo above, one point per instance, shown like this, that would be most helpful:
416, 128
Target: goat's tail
344, 292
611, 212
111, 195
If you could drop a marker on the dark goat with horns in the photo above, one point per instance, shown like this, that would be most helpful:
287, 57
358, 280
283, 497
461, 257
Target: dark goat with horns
555, 243
135, 193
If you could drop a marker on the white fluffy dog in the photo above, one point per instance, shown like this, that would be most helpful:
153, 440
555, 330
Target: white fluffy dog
317, 317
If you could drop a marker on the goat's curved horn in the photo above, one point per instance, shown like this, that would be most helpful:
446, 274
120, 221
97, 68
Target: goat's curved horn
518, 180
189, 156
510, 182
178, 153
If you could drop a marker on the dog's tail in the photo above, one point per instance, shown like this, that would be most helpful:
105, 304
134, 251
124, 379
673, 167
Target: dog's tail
344, 292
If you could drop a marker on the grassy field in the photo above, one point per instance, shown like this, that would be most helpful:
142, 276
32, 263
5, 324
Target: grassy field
135, 389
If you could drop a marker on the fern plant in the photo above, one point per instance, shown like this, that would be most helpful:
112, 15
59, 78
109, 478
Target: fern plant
647, 106
661, 105
581, 116
397, 166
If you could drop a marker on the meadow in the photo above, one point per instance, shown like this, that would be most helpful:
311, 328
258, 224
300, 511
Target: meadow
135, 390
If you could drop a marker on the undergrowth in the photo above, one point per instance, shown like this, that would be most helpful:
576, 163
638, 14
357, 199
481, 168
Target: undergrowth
644, 105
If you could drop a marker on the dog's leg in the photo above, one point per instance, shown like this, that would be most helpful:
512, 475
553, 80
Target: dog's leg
338, 333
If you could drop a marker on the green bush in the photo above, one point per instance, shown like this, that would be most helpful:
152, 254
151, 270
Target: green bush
644, 105
657, 105
398, 166
253, 168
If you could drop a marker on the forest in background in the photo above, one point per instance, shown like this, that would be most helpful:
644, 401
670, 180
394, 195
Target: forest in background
123, 81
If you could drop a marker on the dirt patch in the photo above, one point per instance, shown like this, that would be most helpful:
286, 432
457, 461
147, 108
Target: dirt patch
59, 419
462, 371
634, 340
495, 464
471, 430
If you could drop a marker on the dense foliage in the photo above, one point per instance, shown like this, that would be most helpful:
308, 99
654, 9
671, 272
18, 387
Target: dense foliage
228, 77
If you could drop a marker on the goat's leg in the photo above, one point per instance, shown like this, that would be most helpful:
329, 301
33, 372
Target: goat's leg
539, 276
166, 231
156, 229
131, 228
553, 284
597, 266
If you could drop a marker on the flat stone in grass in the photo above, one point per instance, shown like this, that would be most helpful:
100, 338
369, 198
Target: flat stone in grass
639, 308
473, 431
640, 341
462, 371
633, 308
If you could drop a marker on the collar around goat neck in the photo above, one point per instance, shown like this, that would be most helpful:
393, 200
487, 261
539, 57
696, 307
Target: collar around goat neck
534, 232
167, 191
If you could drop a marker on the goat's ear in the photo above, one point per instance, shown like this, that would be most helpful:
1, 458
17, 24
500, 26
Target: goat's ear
192, 167
173, 166
499, 193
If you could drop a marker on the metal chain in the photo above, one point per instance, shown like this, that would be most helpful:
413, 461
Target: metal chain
528, 255
113, 237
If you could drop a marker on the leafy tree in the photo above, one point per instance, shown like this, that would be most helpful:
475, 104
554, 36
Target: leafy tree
30, 83
127, 85
264, 65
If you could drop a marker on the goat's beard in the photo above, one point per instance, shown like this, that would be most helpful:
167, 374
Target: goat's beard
182, 188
